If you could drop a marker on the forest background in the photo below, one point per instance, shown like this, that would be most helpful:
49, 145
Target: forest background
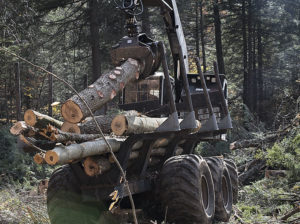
255, 42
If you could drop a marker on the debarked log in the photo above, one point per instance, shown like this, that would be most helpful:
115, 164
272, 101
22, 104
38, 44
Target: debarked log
40, 121
100, 92
125, 125
66, 154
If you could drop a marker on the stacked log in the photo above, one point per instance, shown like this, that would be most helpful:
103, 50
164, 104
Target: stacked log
77, 138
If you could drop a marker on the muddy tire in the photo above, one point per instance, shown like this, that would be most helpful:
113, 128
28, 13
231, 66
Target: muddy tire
234, 177
186, 190
223, 188
64, 203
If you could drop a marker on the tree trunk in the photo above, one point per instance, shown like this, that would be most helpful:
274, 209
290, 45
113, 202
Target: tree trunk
245, 56
218, 38
95, 38
260, 63
202, 36
197, 29
50, 97
125, 125
18, 91
40, 121
254, 76
100, 92
250, 57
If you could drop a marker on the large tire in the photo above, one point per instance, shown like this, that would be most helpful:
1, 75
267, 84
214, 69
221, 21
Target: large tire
64, 202
223, 188
234, 177
186, 189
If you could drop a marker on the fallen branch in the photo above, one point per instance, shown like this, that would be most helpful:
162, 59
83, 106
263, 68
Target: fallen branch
291, 213
252, 172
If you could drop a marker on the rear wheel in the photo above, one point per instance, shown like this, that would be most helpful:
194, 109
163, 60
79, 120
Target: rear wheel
234, 177
186, 190
64, 202
223, 188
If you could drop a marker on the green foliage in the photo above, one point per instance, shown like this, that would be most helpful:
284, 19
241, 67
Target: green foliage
286, 155
265, 200
212, 149
17, 167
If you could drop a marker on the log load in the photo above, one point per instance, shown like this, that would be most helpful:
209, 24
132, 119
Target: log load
125, 125
40, 121
100, 92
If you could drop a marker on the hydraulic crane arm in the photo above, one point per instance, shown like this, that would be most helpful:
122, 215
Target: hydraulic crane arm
174, 31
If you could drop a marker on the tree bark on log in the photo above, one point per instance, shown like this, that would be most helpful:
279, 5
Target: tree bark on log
100, 92
125, 125
40, 121
88, 126
63, 137
94, 166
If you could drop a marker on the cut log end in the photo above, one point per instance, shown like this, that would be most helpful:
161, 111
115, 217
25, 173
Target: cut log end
30, 117
119, 125
71, 128
71, 112
91, 168
17, 128
51, 157
39, 158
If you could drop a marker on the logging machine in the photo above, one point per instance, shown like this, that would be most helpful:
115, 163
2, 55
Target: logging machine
181, 186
